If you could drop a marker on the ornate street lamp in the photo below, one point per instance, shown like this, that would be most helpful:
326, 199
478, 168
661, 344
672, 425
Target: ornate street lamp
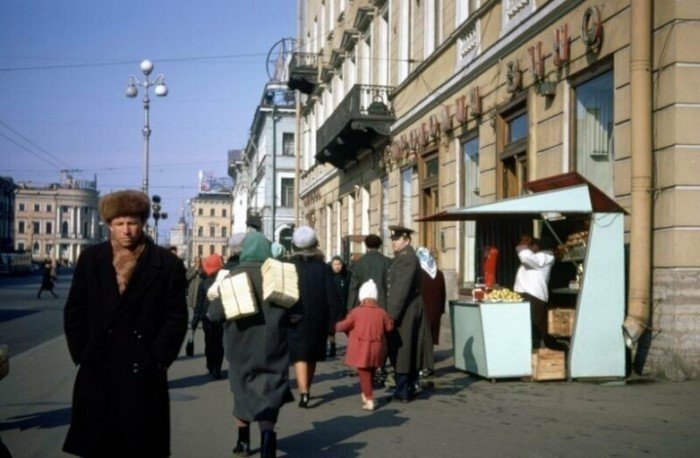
161, 90
157, 215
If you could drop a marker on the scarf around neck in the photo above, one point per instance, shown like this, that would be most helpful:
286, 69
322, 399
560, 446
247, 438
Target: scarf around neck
124, 261
427, 261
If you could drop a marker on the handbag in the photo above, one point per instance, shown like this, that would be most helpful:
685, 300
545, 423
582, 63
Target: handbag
189, 347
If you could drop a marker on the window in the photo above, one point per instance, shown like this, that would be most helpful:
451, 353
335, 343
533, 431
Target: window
20, 227
470, 197
64, 229
224, 232
48, 249
385, 214
212, 231
200, 212
404, 39
200, 250
36, 227
287, 191
21, 207
430, 202
365, 210
49, 227
465, 8
224, 213
513, 154
37, 207
406, 213
35, 248
594, 131
212, 249
200, 231
20, 246
85, 229
385, 47
288, 143
49, 208
338, 205
433, 24
212, 212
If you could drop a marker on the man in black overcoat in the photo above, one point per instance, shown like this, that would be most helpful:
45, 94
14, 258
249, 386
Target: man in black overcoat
405, 306
125, 320
373, 265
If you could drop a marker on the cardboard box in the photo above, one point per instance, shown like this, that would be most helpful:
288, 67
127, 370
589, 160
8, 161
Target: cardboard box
560, 322
548, 364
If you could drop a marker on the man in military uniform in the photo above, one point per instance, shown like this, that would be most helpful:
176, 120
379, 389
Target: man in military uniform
373, 265
405, 306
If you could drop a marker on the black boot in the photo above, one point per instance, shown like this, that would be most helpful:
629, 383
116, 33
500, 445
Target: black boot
242, 447
268, 444
332, 350
304, 401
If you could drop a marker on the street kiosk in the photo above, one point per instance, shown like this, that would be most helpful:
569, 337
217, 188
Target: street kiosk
588, 280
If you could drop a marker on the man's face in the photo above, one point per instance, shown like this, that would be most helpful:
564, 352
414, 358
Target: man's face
126, 231
337, 266
399, 244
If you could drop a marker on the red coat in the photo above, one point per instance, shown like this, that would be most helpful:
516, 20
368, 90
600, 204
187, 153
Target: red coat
367, 345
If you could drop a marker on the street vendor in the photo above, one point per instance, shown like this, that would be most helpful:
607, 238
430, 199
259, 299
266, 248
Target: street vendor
532, 282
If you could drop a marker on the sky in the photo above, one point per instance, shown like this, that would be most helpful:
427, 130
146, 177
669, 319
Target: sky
64, 67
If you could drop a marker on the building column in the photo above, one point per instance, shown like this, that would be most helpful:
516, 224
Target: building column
79, 222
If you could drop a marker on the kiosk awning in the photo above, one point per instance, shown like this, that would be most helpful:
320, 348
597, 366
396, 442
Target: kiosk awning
569, 193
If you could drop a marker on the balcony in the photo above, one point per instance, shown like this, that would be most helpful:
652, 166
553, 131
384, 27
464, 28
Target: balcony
303, 72
362, 121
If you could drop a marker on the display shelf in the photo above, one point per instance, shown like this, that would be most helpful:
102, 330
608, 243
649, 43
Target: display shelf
569, 291
572, 259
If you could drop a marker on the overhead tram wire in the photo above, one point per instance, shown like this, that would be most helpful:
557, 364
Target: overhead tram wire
52, 164
23, 137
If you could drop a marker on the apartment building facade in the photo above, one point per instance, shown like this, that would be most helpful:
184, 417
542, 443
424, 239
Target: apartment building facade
211, 223
57, 221
7, 214
412, 107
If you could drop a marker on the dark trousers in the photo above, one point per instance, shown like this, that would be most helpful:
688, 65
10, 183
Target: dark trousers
405, 385
213, 343
538, 317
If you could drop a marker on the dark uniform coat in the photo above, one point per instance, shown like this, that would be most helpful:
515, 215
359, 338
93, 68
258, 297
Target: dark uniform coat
405, 307
372, 265
317, 306
123, 346
257, 352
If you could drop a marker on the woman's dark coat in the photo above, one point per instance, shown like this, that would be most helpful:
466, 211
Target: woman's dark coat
405, 307
46, 278
123, 346
318, 305
257, 352
434, 297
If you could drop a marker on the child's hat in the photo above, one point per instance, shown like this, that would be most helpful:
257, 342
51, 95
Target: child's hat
368, 290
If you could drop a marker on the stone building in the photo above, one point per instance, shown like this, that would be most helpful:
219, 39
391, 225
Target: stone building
211, 223
178, 238
57, 221
7, 214
412, 107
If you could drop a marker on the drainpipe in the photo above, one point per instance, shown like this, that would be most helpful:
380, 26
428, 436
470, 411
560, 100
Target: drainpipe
638, 307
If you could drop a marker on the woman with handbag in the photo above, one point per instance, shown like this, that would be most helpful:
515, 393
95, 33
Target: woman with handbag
257, 352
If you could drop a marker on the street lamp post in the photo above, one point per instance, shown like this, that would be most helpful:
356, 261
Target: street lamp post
161, 90
157, 215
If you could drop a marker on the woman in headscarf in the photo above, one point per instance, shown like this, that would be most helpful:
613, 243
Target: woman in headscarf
434, 296
257, 352
311, 316
213, 329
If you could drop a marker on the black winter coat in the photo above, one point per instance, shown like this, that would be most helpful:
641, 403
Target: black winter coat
123, 346
372, 265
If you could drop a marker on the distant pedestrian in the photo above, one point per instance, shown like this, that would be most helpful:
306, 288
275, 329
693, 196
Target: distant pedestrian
257, 352
373, 265
434, 297
194, 278
213, 329
405, 306
311, 315
341, 278
367, 325
48, 276
125, 320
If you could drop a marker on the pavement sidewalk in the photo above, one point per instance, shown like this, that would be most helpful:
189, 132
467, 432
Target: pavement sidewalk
462, 416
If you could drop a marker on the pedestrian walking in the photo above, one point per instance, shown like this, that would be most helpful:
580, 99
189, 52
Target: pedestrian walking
311, 315
48, 277
194, 278
341, 278
124, 321
373, 265
213, 329
366, 325
257, 353
434, 297
405, 306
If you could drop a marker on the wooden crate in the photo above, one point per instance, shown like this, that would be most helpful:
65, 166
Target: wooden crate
548, 364
560, 322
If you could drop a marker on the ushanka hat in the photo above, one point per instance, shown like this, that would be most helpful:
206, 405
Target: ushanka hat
304, 237
125, 203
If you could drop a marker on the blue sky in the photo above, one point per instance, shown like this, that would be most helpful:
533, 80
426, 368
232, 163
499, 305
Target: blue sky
79, 114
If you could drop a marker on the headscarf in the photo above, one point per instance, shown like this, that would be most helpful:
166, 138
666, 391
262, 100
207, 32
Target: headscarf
427, 261
212, 264
236, 242
278, 250
256, 248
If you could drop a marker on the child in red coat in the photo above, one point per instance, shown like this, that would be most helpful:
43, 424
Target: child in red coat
367, 326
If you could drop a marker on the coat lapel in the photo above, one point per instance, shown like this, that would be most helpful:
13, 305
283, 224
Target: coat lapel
107, 280
147, 270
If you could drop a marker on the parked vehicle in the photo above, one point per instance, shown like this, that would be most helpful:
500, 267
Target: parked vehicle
15, 263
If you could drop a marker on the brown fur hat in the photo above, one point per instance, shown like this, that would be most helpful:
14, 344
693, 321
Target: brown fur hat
125, 203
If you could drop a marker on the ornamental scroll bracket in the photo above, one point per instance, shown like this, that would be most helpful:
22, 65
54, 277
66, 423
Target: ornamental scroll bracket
592, 29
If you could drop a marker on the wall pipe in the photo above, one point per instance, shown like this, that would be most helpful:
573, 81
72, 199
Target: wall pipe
638, 307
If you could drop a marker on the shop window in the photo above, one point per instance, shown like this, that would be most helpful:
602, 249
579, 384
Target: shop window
513, 153
406, 197
385, 214
593, 133
287, 192
430, 203
20, 227
288, 143
470, 197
